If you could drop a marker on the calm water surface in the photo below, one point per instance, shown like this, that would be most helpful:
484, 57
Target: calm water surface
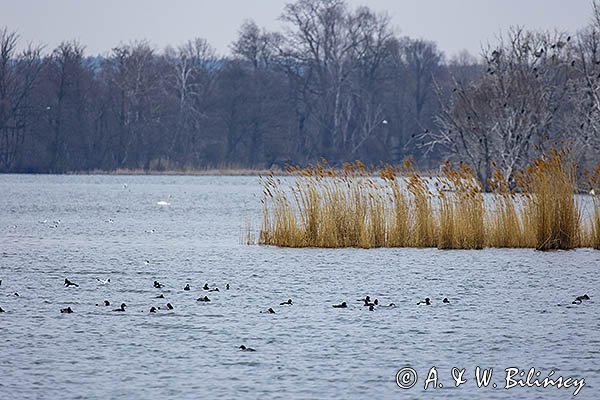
504, 309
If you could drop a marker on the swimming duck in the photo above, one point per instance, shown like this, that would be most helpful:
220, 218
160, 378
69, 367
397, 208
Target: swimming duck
371, 307
68, 283
205, 287
152, 309
187, 287
427, 302
343, 305
214, 290
205, 298
123, 305
106, 303
366, 300
158, 285
160, 296
103, 282
446, 300
169, 306
16, 294
374, 303
67, 310
581, 298
269, 311
244, 348
226, 286
288, 302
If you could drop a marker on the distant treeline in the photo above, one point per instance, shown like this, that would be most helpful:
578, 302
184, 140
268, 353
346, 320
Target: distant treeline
336, 83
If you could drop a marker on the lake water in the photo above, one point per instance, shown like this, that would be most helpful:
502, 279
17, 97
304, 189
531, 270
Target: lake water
504, 309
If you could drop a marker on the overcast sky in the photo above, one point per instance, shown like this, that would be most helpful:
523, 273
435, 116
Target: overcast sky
102, 24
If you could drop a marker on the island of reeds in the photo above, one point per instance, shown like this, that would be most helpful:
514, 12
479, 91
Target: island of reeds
354, 206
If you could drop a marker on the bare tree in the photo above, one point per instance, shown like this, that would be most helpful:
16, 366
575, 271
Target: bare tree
134, 74
19, 73
329, 43
64, 111
582, 121
191, 80
500, 117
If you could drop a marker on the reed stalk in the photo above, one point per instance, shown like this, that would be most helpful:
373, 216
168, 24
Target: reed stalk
397, 207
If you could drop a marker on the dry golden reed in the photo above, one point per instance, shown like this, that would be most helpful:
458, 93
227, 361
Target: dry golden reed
353, 206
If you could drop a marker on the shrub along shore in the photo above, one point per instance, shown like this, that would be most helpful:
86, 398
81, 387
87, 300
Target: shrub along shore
321, 206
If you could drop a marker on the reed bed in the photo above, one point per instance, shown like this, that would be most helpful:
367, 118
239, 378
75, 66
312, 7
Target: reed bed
354, 206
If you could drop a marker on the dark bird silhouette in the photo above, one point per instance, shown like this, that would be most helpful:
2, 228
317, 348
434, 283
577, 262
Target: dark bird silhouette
1, 310
122, 308
205, 298
446, 300
205, 287
371, 307
374, 303
227, 286
244, 348
16, 294
580, 299
426, 302
214, 290
160, 296
270, 311
343, 305
367, 299
152, 309
68, 283
187, 287
158, 285
288, 302
169, 306
67, 310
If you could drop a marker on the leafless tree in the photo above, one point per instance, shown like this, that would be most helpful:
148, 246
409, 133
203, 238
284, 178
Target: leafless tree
499, 118
191, 80
134, 74
329, 43
582, 121
19, 74
64, 112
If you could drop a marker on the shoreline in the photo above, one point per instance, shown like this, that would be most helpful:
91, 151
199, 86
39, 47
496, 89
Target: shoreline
141, 172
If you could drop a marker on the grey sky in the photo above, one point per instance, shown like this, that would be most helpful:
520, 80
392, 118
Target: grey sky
101, 25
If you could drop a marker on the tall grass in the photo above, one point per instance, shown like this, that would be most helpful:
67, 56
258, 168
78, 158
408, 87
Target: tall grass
551, 184
354, 206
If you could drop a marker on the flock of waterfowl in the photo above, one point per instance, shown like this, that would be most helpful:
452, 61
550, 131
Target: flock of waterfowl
366, 301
